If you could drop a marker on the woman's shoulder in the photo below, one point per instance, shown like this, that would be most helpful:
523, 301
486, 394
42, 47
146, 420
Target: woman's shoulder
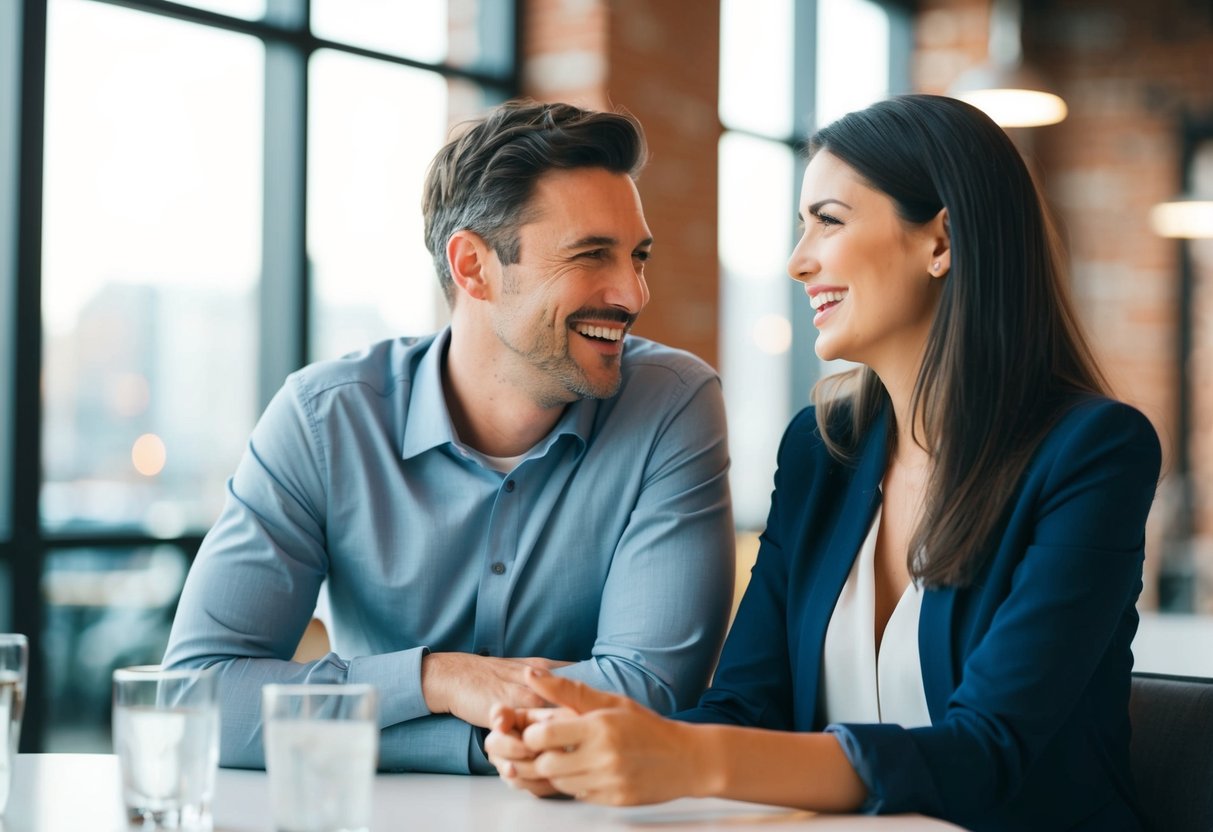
826, 433
1080, 413
1089, 426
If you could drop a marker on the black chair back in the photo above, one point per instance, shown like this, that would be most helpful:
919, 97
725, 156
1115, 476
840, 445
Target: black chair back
1172, 750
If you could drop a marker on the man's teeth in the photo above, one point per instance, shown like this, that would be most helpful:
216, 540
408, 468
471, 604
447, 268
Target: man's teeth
604, 332
822, 298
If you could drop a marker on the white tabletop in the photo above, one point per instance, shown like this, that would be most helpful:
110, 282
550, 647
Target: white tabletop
74, 792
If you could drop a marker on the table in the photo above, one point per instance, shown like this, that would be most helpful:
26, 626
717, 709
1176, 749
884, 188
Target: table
80, 793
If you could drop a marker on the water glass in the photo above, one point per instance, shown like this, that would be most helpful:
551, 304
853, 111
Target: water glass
14, 664
321, 749
166, 735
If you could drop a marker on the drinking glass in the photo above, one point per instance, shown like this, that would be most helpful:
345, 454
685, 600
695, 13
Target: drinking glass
14, 663
166, 735
321, 749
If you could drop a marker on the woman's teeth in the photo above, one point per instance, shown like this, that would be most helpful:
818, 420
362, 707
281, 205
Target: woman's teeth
822, 298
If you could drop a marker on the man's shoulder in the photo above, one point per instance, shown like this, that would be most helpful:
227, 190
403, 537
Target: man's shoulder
643, 358
377, 370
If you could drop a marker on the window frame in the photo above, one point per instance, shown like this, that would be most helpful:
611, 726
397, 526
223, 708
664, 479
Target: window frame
284, 291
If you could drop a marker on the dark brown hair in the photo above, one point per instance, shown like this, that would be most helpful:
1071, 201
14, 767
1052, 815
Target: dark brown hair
1005, 354
483, 179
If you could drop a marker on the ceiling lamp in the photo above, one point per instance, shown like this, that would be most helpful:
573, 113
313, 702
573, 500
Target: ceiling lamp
1183, 218
1005, 88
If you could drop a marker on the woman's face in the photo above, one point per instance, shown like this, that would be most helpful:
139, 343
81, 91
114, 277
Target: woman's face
872, 279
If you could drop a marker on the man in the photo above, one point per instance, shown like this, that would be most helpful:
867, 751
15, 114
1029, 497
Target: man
530, 486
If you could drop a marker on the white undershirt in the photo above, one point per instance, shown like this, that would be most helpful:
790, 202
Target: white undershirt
860, 686
500, 464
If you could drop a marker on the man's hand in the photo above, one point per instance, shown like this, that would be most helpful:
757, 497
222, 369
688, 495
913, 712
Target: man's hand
467, 686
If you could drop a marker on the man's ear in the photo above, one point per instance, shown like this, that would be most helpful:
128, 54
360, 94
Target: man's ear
471, 260
940, 231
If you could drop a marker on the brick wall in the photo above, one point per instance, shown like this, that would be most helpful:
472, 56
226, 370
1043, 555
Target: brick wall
658, 60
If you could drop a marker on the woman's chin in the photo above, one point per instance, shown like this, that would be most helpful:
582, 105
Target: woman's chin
825, 350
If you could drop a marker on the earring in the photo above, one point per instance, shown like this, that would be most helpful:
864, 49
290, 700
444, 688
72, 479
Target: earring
935, 267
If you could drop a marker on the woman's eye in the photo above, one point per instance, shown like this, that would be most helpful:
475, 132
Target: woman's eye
826, 219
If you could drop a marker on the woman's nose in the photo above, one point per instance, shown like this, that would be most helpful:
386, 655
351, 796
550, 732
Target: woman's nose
802, 264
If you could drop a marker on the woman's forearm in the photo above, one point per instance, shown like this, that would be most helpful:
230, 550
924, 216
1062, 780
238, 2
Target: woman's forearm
806, 771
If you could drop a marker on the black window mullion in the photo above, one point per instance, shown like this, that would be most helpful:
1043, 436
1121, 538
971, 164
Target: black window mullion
26, 553
10, 144
285, 275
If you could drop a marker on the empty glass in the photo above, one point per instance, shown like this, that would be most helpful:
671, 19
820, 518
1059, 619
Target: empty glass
14, 662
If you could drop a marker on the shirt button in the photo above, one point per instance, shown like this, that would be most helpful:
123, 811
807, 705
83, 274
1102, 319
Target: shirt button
509, 485
483, 651
498, 568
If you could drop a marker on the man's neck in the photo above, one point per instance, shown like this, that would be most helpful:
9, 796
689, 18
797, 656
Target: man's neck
487, 409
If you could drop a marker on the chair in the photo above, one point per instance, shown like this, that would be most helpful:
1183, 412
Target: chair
313, 645
1172, 750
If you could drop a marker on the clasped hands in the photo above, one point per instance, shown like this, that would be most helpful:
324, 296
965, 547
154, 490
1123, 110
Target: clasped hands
591, 745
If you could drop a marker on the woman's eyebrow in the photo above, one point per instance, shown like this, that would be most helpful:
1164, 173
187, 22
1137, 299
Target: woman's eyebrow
817, 206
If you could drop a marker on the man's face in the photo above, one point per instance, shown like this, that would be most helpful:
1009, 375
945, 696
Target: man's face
563, 309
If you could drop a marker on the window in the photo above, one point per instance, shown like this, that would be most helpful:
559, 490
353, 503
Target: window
196, 198
785, 69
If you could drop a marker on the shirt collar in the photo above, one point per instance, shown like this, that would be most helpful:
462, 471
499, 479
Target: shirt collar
429, 422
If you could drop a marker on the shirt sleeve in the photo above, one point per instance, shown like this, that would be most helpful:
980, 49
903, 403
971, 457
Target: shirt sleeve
753, 683
1079, 575
666, 599
251, 592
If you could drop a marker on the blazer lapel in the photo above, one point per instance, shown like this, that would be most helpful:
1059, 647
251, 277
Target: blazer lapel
854, 520
935, 649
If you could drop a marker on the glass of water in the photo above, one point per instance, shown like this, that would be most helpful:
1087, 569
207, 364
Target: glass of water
321, 750
14, 661
166, 735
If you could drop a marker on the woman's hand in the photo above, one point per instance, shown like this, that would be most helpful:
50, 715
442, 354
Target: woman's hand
604, 748
515, 762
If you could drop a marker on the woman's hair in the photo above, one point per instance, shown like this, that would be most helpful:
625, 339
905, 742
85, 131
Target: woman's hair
1005, 353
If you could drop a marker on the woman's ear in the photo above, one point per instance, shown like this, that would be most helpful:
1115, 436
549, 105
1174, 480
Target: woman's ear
470, 260
940, 236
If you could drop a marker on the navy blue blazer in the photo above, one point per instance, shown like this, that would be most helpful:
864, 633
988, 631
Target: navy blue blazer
1026, 671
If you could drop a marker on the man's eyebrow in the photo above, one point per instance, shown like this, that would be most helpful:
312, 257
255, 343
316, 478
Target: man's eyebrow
602, 240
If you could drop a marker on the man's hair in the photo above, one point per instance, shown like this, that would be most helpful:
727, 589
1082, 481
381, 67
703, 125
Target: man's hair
483, 180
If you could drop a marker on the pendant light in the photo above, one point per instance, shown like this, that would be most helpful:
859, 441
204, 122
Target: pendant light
1183, 218
1005, 88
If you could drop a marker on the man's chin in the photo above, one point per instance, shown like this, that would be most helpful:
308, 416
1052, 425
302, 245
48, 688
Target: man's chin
597, 386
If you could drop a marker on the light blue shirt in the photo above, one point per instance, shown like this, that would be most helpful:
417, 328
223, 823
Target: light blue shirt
610, 545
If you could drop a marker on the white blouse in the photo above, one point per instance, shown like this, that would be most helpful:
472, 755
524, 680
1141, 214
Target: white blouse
861, 685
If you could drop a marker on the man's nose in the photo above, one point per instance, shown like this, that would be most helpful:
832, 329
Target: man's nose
629, 290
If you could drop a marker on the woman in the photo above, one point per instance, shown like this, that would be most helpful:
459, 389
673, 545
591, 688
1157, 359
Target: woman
941, 612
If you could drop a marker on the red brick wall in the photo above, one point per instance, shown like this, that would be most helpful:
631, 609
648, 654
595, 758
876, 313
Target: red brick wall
658, 59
